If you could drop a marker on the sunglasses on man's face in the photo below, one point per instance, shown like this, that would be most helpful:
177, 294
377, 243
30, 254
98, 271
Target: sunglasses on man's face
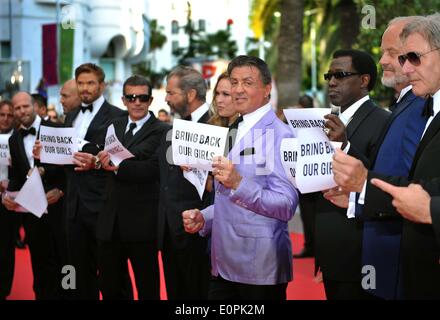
339, 75
413, 57
133, 97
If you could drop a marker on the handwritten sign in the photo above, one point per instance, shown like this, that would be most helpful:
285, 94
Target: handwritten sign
114, 147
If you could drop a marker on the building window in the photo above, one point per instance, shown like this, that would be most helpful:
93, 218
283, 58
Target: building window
202, 25
5, 49
174, 27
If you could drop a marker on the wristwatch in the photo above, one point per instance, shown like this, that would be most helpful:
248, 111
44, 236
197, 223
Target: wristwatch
98, 163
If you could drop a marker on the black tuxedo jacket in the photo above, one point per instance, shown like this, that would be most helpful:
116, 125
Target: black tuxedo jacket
132, 194
88, 186
53, 176
420, 242
177, 195
339, 239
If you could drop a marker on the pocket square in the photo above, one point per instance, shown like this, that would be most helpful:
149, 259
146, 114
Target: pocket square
247, 152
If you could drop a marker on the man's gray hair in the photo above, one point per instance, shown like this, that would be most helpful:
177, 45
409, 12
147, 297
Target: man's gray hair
190, 78
428, 27
406, 19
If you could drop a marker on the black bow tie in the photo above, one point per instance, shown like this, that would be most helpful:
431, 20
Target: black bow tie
85, 108
428, 110
25, 132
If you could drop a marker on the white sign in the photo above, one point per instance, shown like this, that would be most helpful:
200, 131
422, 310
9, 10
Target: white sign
288, 151
195, 144
114, 147
309, 118
32, 196
57, 145
313, 167
4, 149
198, 179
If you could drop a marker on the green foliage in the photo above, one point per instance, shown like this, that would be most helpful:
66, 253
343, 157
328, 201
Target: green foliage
331, 27
157, 38
218, 45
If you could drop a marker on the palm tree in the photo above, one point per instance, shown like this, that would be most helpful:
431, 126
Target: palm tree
289, 43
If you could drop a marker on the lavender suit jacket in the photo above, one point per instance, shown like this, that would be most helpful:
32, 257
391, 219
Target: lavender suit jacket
250, 237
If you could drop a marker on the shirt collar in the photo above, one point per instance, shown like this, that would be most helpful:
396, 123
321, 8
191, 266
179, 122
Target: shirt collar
96, 104
403, 92
436, 103
256, 115
351, 110
199, 112
139, 123
35, 124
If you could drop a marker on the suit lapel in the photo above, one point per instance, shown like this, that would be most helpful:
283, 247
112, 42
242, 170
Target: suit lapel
71, 116
254, 134
364, 110
204, 118
407, 99
99, 119
432, 130
120, 127
22, 149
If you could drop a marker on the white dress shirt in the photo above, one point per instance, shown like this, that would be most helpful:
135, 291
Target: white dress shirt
250, 120
199, 112
83, 119
29, 140
139, 123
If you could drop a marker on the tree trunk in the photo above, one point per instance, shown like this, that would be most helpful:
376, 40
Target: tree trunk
290, 52
350, 23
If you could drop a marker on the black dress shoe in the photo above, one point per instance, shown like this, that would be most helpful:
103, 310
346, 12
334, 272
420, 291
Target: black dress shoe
304, 254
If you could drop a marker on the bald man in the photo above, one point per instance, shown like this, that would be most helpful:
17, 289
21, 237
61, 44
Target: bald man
69, 96
44, 235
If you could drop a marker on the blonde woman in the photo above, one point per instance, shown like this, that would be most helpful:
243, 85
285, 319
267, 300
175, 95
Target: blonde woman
222, 106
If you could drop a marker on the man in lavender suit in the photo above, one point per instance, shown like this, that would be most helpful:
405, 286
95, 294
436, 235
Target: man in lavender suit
251, 252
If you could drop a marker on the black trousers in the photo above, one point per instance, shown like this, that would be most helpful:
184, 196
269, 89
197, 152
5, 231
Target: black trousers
7, 250
83, 256
113, 259
307, 206
222, 289
344, 290
187, 270
82, 247
46, 256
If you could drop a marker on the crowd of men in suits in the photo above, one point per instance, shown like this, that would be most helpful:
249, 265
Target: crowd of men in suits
233, 242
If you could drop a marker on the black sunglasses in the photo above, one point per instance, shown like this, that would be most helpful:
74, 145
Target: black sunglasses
413, 57
133, 97
339, 75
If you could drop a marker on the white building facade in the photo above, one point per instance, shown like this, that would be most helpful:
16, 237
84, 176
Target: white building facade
208, 16
111, 33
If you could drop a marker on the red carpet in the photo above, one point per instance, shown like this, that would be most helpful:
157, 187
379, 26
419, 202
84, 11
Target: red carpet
301, 288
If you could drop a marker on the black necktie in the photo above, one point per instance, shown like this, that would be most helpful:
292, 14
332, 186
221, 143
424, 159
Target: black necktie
129, 134
85, 108
232, 134
25, 132
428, 110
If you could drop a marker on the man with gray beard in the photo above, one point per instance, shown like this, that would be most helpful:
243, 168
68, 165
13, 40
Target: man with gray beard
381, 247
